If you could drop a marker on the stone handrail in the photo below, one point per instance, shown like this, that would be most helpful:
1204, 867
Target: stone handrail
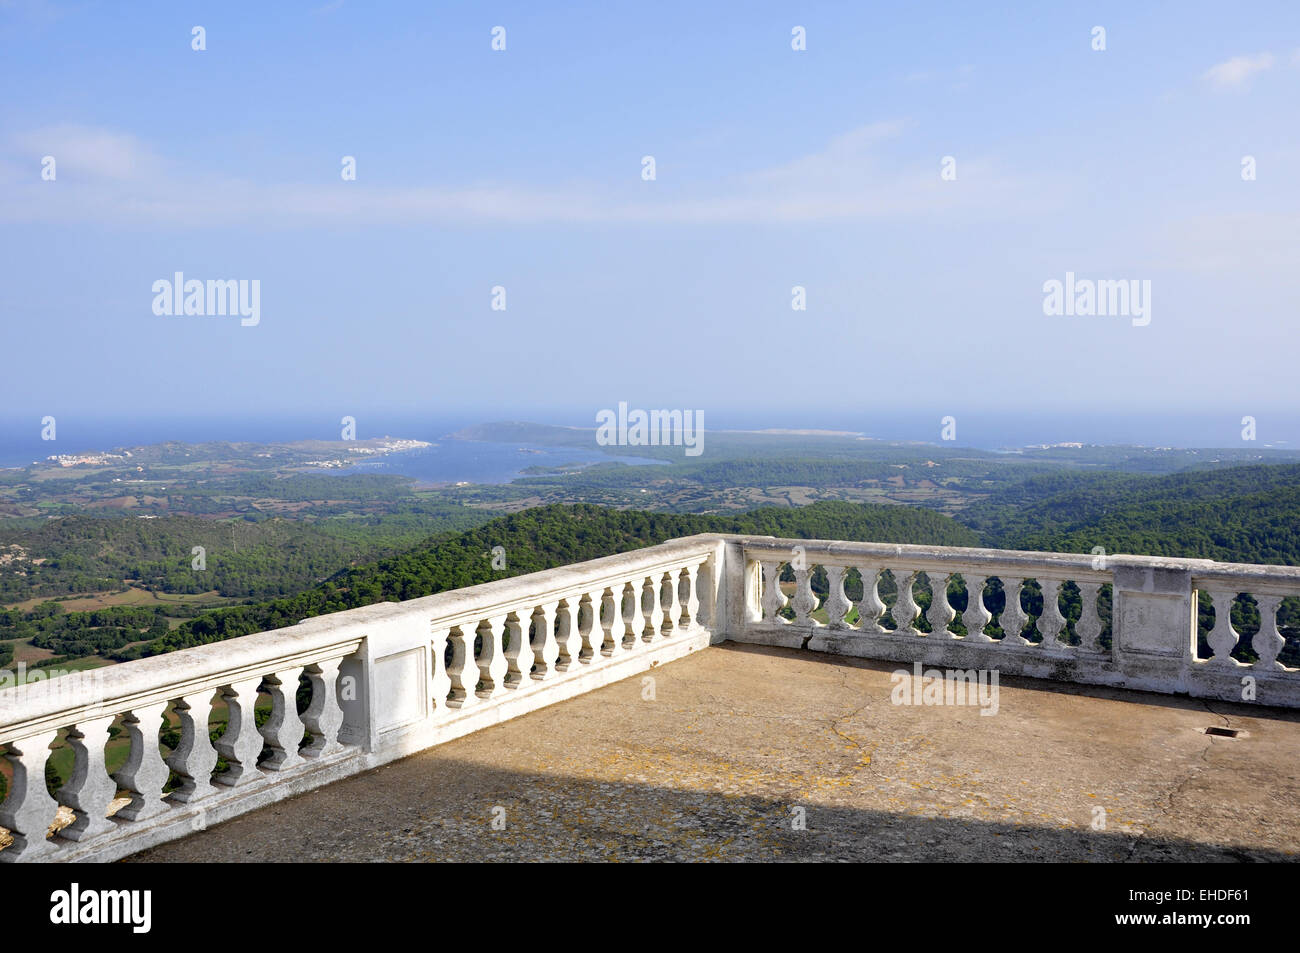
1153, 641
384, 681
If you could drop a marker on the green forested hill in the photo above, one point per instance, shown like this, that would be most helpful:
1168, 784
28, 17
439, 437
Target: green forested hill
549, 536
244, 559
1239, 514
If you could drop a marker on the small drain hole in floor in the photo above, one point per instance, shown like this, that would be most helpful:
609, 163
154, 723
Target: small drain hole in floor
1223, 732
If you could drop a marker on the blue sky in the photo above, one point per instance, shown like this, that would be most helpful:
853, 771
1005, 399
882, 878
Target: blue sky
775, 168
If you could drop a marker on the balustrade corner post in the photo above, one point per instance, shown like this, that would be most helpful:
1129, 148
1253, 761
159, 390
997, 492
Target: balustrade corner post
193, 759
1154, 619
719, 590
284, 730
144, 772
29, 810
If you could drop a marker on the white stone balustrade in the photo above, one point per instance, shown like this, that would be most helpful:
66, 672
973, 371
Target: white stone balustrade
1153, 616
386, 681
392, 679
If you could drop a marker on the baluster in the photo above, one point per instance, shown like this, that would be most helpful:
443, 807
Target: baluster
1012, 618
440, 684
90, 790
652, 607
1051, 622
691, 609
905, 609
241, 742
773, 598
545, 648
492, 663
805, 600
977, 615
1089, 625
520, 656
1223, 637
871, 607
145, 772
29, 810
324, 715
941, 611
670, 601
628, 631
837, 603
568, 635
193, 759
283, 731
1268, 641
463, 672
603, 618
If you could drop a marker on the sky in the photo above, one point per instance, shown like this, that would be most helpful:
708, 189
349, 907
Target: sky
523, 169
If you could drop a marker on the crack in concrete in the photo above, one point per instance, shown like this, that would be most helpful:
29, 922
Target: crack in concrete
1199, 764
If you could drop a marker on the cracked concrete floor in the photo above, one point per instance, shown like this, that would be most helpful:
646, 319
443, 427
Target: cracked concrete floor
749, 753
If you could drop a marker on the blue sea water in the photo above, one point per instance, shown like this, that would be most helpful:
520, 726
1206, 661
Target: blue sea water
454, 460
448, 461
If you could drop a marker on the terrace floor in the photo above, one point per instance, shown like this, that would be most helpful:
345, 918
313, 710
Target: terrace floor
737, 738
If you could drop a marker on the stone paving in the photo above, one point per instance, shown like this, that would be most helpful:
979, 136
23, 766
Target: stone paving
748, 753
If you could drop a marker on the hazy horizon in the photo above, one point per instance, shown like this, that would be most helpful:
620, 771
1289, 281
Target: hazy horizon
775, 168
21, 443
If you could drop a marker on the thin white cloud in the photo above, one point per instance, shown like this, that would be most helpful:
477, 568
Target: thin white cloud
1237, 72
90, 152
113, 178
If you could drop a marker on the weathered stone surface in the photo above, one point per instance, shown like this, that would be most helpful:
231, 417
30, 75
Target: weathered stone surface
739, 736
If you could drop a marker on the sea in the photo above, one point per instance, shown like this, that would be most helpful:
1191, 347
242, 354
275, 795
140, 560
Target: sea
448, 460
452, 460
